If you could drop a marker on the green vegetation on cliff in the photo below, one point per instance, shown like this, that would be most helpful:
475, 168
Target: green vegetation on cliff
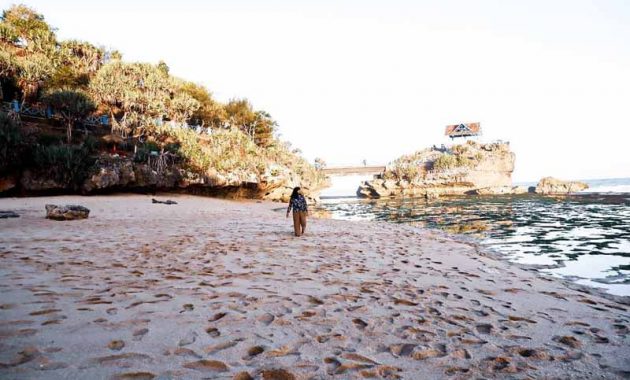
416, 166
147, 110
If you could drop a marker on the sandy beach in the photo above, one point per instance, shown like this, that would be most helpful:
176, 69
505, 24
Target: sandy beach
221, 289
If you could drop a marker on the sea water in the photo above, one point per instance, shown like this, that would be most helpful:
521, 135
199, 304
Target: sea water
583, 237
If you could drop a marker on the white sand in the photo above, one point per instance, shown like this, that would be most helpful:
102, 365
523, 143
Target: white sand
211, 288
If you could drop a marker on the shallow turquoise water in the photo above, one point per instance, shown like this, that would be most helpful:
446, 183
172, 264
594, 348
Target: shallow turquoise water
585, 237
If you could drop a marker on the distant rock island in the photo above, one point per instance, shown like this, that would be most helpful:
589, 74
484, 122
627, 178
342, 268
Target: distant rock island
460, 169
551, 186
470, 168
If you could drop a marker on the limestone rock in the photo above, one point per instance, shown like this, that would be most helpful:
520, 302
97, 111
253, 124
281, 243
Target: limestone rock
520, 190
469, 168
68, 212
114, 173
119, 173
431, 195
377, 188
280, 194
110, 173
550, 185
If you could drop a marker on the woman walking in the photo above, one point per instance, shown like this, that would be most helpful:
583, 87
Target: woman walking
300, 211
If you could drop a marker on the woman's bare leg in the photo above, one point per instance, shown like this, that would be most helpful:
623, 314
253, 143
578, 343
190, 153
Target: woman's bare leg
296, 223
303, 221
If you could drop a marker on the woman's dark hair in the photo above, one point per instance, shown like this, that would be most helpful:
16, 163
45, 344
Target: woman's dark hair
295, 194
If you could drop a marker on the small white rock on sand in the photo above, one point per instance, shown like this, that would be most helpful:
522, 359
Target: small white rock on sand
210, 288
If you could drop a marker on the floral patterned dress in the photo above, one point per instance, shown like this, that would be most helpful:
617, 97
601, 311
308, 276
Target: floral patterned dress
298, 204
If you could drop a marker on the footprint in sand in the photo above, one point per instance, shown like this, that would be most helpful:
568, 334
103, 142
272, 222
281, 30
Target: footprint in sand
140, 333
123, 360
116, 345
187, 307
190, 338
213, 332
484, 328
359, 323
401, 349
277, 374
266, 318
216, 317
253, 351
568, 340
135, 376
427, 352
205, 365
186, 352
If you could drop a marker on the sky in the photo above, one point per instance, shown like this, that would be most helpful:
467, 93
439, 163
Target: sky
354, 80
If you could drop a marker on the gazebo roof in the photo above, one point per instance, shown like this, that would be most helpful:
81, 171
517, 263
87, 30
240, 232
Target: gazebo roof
463, 130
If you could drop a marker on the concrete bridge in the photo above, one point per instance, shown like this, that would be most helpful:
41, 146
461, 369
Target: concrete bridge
351, 170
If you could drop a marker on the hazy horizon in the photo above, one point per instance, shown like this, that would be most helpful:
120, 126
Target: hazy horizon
352, 80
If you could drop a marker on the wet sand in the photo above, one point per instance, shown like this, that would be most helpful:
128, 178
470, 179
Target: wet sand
210, 288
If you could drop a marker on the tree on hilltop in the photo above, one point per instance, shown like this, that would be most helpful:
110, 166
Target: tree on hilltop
240, 115
73, 106
182, 106
76, 62
32, 74
264, 127
24, 28
28, 45
210, 112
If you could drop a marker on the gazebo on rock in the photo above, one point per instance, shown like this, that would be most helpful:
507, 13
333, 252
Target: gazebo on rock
463, 130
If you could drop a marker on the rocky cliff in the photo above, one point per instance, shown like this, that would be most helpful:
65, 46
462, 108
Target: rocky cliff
117, 174
469, 168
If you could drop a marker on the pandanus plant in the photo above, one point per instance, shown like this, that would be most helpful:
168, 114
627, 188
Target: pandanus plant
72, 105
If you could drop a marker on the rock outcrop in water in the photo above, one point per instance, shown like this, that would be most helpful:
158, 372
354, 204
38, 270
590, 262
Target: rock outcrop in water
551, 186
469, 168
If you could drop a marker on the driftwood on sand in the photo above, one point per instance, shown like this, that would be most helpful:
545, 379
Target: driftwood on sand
166, 202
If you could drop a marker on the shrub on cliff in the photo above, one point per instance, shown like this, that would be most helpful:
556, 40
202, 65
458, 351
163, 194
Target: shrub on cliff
224, 150
230, 151
66, 164
445, 162
410, 167
12, 144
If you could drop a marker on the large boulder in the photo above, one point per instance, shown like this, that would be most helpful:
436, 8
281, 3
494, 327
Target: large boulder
377, 188
67, 212
279, 194
551, 186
